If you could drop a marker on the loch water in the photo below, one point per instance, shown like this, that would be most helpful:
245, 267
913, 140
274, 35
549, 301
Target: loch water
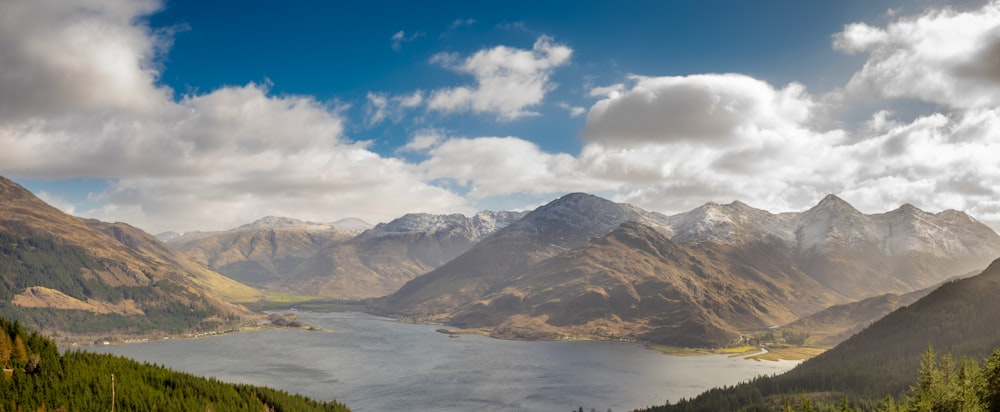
377, 364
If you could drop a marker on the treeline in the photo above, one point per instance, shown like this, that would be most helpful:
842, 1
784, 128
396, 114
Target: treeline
38, 378
26, 262
960, 317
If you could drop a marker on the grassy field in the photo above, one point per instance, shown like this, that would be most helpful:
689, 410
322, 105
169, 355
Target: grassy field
786, 352
282, 301
680, 351
789, 353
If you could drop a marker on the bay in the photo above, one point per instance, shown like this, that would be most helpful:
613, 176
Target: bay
377, 364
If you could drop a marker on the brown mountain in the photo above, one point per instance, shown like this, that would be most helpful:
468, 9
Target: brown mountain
85, 277
339, 261
710, 273
264, 252
637, 283
567, 223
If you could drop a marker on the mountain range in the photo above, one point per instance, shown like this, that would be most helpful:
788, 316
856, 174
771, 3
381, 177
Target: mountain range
582, 266
347, 259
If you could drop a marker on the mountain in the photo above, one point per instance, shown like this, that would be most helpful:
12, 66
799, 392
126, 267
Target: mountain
65, 274
898, 251
345, 259
854, 254
564, 224
263, 252
380, 260
722, 269
960, 318
635, 282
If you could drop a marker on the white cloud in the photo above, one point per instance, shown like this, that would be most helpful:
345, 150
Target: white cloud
508, 80
381, 107
423, 140
492, 166
400, 37
574, 111
942, 56
208, 161
611, 91
86, 57
704, 109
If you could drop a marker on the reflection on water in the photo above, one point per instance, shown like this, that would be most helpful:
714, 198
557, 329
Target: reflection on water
373, 364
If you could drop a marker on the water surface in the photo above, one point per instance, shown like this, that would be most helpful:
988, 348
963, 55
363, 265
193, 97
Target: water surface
375, 364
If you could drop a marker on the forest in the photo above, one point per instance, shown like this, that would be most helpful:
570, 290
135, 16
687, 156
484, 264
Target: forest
37, 377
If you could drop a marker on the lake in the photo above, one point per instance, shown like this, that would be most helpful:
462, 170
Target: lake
376, 364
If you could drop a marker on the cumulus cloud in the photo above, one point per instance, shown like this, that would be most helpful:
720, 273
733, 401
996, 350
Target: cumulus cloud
942, 56
84, 58
206, 161
708, 108
509, 81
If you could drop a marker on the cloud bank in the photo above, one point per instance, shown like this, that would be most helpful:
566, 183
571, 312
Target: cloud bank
79, 97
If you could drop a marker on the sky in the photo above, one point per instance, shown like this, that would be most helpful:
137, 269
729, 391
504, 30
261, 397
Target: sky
191, 115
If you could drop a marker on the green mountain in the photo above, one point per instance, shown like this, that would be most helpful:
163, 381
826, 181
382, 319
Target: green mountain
37, 377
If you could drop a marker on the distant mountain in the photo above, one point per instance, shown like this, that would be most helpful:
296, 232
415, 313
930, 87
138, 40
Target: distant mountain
345, 259
960, 318
854, 254
64, 274
263, 252
555, 272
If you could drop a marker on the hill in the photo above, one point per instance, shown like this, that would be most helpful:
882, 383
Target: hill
72, 276
38, 377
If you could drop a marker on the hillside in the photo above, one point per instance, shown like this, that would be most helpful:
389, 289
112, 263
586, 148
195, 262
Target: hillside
42, 378
961, 318
837, 323
564, 224
262, 253
637, 283
339, 260
64, 274
555, 272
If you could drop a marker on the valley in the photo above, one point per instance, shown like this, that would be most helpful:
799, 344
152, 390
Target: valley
722, 281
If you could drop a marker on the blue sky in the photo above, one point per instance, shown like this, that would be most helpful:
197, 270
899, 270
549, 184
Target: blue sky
185, 115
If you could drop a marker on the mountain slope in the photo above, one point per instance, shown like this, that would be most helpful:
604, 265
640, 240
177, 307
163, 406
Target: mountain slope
961, 318
566, 223
900, 251
262, 253
545, 275
636, 283
380, 260
347, 259
142, 285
